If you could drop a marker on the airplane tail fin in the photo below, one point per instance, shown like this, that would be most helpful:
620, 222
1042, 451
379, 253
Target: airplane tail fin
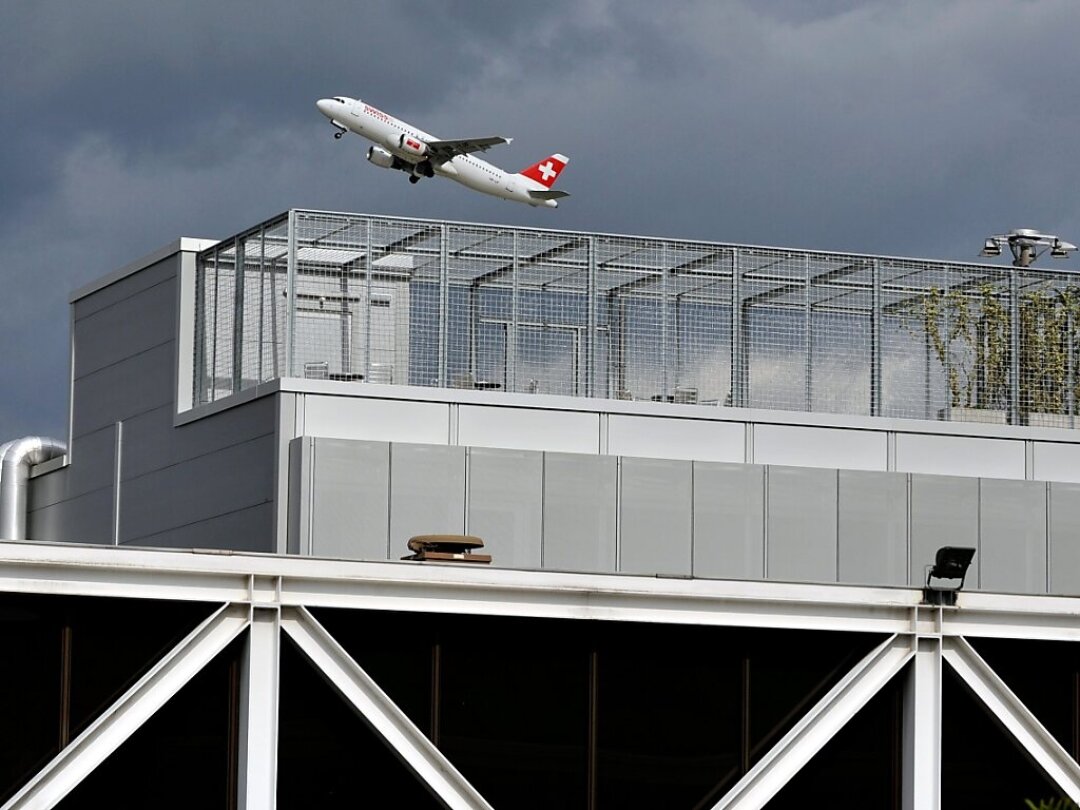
546, 171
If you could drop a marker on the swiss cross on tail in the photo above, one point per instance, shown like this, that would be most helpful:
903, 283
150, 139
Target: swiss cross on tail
547, 170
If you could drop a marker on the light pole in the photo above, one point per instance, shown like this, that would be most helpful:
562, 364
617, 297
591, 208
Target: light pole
1026, 245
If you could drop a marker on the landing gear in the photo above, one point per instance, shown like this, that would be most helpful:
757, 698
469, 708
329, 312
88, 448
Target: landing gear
337, 136
413, 178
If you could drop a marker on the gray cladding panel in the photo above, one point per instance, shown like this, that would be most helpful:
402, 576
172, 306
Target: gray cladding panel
132, 386
1065, 539
729, 520
245, 530
86, 519
944, 512
427, 492
126, 328
656, 506
127, 287
872, 527
212, 485
1012, 536
506, 490
51, 488
350, 499
152, 443
801, 535
579, 512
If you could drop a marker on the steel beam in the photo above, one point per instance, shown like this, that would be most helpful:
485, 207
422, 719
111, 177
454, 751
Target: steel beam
282, 580
118, 722
818, 726
921, 778
1017, 719
259, 697
392, 724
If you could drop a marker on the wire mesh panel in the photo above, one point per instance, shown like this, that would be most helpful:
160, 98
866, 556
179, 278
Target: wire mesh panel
1049, 311
360, 298
774, 308
840, 302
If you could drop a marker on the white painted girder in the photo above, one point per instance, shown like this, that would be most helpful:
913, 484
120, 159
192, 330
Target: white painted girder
118, 722
260, 694
818, 726
921, 771
1017, 719
392, 724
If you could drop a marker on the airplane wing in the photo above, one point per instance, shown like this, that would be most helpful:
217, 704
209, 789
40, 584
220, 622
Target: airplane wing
447, 150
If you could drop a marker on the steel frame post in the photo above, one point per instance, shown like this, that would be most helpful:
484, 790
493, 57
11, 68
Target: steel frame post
1014, 348
808, 337
259, 699
1017, 719
239, 273
367, 300
665, 323
118, 722
739, 365
819, 725
591, 317
921, 777
290, 298
515, 315
875, 339
444, 304
392, 724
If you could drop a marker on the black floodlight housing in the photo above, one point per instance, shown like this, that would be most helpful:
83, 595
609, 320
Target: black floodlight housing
952, 563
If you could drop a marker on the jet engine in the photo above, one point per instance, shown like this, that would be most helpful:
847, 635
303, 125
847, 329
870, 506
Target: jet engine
412, 146
381, 158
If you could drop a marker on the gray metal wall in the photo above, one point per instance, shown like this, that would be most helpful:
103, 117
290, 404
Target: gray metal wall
582, 512
208, 483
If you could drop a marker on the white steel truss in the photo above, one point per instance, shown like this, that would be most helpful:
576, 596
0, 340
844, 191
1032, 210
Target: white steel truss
265, 595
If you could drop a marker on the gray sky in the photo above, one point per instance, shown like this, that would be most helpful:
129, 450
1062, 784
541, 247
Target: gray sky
910, 128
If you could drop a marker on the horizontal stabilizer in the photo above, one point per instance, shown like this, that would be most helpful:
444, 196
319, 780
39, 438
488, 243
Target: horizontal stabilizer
549, 194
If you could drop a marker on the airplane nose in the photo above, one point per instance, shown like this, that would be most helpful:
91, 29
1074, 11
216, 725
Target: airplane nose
326, 106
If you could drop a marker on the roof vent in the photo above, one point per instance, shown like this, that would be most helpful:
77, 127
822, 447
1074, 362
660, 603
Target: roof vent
446, 548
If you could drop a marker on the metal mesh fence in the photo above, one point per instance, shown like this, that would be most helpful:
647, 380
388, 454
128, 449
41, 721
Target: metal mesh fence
370, 299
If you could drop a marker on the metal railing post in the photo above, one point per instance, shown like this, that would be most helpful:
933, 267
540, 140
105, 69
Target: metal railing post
738, 349
290, 298
444, 304
875, 339
1014, 348
665, 325
590, 330
515, 314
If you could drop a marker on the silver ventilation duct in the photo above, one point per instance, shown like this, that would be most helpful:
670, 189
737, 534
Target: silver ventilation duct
16, 459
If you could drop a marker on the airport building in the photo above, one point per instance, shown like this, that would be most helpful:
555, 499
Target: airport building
713, 482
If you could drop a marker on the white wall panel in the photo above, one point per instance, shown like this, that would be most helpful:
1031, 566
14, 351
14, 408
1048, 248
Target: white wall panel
528, 429
833, 448
1056, 462
959, 455
685, 439
387, 420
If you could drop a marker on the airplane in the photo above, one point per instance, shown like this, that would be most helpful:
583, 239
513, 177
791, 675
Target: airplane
401, 146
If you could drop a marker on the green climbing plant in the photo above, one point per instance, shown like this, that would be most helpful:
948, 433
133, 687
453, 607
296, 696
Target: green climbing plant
968, 330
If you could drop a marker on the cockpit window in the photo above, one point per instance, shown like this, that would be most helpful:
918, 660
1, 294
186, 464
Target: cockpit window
339, 98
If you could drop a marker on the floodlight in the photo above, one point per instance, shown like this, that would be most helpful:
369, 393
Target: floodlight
950, 562
1060, 249
1026, 245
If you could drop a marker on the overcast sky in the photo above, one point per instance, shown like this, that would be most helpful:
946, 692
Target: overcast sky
911, 128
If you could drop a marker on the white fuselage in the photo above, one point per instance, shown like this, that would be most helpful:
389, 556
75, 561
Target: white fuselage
385, 131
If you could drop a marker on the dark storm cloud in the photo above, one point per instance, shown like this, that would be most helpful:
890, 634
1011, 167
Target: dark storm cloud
901, 127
